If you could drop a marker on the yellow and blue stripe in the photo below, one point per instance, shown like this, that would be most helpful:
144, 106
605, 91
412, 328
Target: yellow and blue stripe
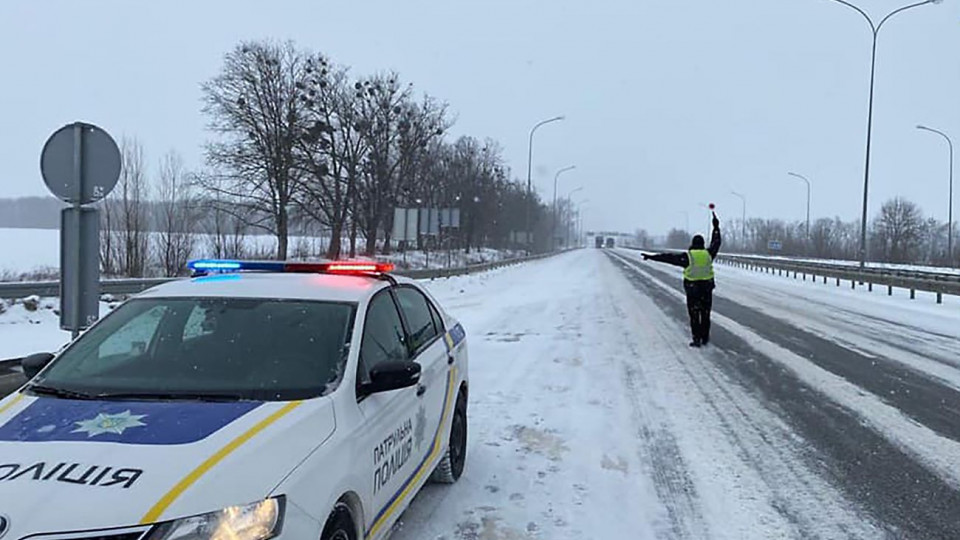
454, 337
414, 480
191, 478
10, 404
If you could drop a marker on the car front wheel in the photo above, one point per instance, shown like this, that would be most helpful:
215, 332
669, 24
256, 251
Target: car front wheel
451, 466
340, 526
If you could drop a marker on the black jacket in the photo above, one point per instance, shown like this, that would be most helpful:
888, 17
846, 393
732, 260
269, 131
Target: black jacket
682, 259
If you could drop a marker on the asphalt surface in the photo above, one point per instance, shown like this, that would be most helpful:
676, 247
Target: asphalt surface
898, 492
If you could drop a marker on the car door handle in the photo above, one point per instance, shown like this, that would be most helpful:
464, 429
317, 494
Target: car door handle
421, 390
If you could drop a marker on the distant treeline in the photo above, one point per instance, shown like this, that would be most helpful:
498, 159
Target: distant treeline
30, 213
44, 213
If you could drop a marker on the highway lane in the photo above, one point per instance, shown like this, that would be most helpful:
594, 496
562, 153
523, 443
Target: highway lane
894, 486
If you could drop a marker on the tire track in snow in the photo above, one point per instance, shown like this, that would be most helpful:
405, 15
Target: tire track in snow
660, 452
897, 489
932, 355
924, 398
552, 447
764, 444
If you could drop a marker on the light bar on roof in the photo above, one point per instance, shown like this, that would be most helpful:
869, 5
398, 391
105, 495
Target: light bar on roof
339, 267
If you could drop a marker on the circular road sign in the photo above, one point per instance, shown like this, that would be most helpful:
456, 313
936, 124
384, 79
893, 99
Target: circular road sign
80, 163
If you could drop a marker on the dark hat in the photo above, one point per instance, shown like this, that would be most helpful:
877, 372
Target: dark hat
698, 242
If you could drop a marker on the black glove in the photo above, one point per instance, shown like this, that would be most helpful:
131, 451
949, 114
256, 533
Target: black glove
716, 221
645, 256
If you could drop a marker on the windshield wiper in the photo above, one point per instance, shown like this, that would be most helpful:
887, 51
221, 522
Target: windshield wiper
172, 396
58, 392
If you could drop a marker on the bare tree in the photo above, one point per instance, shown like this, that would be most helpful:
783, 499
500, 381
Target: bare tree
125, 239
225, 233
898, 231
109, 239
255, 108
332, 148
397, 131
177, 216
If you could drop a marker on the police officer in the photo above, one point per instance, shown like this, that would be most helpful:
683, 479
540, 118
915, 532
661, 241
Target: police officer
698, 282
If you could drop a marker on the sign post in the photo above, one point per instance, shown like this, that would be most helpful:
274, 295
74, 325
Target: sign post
80, 165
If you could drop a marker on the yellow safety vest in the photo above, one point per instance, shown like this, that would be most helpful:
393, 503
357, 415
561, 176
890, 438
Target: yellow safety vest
700, 267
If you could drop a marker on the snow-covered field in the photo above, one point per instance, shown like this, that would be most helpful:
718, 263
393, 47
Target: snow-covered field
26, 251
591, 418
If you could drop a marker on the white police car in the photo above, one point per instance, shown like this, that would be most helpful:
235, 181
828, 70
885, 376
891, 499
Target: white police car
294, 401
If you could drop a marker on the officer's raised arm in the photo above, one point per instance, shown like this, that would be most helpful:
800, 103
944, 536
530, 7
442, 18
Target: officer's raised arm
715, 239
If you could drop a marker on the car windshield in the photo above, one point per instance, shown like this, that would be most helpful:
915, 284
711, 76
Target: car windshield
216, 348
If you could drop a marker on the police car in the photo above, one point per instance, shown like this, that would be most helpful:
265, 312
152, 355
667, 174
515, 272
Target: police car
257, 400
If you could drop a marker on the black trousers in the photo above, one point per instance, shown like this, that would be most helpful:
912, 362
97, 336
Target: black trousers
699, 305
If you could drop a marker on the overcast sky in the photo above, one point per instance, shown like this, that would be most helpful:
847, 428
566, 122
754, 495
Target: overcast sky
668, 103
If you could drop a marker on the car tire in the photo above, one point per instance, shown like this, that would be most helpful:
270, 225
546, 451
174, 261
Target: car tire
340, 525
451, 466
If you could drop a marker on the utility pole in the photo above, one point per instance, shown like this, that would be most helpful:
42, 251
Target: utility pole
875, 29
526, 220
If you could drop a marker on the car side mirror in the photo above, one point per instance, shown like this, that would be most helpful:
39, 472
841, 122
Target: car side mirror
391, 376
35, 363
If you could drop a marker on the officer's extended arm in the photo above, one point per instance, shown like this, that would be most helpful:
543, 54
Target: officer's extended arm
676, 259
715, 239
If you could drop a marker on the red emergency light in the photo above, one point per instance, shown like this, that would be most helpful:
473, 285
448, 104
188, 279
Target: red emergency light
345, 267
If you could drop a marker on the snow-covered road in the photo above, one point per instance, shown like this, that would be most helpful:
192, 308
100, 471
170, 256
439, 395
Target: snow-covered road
816, 412
593, 419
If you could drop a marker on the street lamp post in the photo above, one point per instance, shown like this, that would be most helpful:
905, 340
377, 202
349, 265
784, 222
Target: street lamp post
875, 28
580, 221
743, 219
553, 229
566, 234
950, 199
804, 178
526, 219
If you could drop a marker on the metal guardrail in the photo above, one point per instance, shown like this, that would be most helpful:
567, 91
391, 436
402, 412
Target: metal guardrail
939, 283
870, 270
912, 280
23, 289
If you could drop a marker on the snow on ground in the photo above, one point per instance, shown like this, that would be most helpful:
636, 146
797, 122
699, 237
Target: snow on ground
919, 333
27, 251
850, 318
24, 332
449, 259
590, 418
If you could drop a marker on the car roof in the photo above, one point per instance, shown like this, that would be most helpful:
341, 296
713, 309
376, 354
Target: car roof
287, 286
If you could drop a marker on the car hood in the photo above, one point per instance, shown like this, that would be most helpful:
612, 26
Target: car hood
69, 465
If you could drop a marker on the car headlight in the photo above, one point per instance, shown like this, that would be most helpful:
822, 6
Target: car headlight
257, 521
